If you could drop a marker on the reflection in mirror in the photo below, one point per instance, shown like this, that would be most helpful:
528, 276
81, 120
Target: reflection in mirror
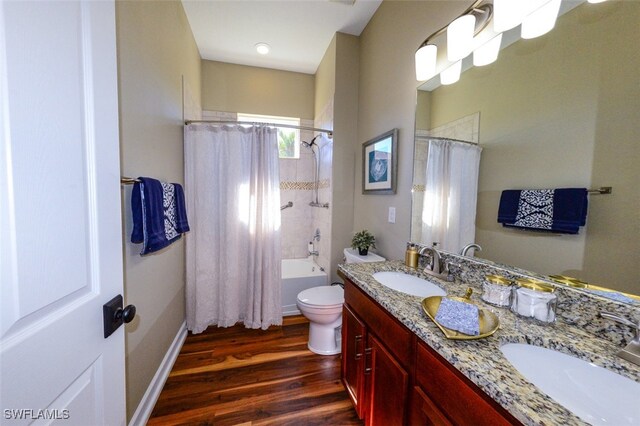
560, 111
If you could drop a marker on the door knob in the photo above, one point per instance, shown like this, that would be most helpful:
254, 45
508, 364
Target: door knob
127, 314
113, 315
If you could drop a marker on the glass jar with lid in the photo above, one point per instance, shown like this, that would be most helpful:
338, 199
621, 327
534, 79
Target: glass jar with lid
496, 290
534, 299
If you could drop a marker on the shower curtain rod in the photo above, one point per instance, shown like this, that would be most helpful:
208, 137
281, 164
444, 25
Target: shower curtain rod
255, 123
447, 139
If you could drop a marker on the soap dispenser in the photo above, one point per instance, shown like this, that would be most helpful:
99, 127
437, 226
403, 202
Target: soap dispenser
411, 256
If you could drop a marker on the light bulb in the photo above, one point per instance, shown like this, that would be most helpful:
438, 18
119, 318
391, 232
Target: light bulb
460, 37
507, 14
451, 74
488, 52
426, 62
541, 21
262, 48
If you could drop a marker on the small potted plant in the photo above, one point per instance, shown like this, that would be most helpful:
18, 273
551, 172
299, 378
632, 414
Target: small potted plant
362, 241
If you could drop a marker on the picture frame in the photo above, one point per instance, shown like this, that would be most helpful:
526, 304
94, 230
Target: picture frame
380, 164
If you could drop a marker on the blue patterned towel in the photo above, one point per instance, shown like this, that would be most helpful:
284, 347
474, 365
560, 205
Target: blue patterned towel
159, 215
561, 210
459, 316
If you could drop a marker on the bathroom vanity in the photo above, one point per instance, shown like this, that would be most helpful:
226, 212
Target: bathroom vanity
393, 378
398, 368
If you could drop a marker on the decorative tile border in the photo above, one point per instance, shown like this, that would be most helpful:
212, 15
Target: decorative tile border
303, 186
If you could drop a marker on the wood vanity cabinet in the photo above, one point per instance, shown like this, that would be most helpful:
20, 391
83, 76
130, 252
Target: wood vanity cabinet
376, 354
393, 378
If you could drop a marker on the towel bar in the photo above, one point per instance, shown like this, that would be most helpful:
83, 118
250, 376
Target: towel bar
127, 180
601, 190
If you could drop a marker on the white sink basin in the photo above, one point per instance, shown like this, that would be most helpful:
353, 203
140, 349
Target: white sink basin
596, 395
409, 284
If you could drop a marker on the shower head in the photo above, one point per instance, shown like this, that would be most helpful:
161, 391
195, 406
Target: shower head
310, 144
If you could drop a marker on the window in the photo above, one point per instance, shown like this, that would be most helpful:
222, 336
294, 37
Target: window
288, 139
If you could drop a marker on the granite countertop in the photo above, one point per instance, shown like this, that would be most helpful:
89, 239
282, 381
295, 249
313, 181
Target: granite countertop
481, 361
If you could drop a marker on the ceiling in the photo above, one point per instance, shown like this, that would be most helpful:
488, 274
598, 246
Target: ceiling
298, 31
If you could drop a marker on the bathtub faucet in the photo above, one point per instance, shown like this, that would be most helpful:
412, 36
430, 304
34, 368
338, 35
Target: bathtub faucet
311, 249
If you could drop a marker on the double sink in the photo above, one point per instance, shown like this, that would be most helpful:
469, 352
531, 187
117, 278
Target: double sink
596, 395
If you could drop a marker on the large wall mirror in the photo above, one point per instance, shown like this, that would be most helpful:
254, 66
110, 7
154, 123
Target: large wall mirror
559, 111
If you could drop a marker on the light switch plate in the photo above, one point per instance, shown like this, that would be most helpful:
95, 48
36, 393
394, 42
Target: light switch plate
392, 215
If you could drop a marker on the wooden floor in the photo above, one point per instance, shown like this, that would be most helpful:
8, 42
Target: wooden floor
236, 376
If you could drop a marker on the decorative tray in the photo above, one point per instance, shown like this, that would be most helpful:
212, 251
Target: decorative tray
489, 322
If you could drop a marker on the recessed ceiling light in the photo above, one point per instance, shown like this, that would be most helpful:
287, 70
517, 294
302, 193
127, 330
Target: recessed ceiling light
262, 48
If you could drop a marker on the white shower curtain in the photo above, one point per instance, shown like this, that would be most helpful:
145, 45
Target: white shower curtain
233, 249
451, 189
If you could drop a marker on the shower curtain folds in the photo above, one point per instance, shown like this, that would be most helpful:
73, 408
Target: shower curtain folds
233, 252
451, 192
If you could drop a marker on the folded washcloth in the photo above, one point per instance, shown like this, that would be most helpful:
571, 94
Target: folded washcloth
159, 215
459, 316
614, 296
561, 210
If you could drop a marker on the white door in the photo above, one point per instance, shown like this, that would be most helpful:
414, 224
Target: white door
60, 224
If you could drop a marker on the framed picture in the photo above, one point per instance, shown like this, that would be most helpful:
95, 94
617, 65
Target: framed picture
380, 163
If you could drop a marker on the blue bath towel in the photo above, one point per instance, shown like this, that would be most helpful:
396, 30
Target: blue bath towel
561, 210
159, 214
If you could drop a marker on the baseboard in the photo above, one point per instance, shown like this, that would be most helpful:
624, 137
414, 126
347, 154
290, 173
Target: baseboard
150, 397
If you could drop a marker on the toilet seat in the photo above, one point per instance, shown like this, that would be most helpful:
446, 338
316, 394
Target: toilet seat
326, 297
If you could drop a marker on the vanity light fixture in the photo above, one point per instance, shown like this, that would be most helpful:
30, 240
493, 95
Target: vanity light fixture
426, 61
452, 74
460, 34
536, 16
488, 52
507, 14
540, 21
262, 48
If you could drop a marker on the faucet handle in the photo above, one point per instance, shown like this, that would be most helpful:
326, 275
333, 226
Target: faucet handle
618, 318
622, 320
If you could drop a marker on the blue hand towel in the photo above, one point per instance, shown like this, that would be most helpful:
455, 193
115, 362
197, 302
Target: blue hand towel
159, 216
561, 210
459, 316
182, 224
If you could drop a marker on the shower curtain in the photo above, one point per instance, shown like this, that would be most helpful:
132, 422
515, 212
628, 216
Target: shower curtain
233, 249
451, 189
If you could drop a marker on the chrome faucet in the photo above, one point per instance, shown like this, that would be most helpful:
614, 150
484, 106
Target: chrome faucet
434, 260
468, 247
632, 351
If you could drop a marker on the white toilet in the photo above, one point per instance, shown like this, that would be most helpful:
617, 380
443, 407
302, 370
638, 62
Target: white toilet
322, 306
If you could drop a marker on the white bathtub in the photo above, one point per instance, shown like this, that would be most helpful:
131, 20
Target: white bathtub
298, 275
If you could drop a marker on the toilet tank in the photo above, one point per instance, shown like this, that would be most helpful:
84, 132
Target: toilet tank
351, 256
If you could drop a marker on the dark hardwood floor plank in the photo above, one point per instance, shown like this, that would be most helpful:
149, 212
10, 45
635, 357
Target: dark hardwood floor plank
236, 376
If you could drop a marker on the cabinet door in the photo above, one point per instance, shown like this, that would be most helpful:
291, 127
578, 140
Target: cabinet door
353, 340
388, 386
422, 411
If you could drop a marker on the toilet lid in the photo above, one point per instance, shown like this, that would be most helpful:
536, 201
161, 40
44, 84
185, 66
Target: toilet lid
322, 296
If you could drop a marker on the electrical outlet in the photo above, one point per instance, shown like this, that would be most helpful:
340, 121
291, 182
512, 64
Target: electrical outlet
392, 215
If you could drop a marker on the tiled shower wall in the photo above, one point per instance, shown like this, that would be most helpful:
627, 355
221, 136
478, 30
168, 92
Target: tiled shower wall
300, 222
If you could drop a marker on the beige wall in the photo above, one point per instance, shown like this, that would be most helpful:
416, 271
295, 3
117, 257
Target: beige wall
155, 50
346, 137
572, 120
253, 90
387, 100
325, 79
